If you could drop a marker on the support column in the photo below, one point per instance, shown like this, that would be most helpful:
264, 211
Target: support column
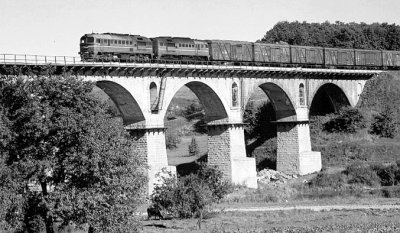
150, 145
226, 149
294, 155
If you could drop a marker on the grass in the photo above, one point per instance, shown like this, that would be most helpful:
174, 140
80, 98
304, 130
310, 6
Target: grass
286, 221
180, 155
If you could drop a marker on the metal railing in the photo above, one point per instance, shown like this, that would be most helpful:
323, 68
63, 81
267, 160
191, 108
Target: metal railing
25, 59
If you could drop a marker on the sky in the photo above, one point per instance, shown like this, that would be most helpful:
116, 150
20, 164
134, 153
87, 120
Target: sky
54, 27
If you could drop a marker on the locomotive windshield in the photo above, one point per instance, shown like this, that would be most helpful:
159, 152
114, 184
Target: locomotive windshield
89, 40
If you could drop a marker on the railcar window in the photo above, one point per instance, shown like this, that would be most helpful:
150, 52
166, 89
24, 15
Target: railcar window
90, 40
97, 40
141, 43
130, 42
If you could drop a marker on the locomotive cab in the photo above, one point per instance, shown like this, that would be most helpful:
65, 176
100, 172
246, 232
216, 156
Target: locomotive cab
86, 47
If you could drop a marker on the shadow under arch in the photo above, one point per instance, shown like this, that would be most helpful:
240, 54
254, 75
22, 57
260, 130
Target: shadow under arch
329, 98
281, 103
213, 106
126, 104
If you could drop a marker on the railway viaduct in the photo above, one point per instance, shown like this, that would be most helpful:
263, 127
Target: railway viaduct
143, 91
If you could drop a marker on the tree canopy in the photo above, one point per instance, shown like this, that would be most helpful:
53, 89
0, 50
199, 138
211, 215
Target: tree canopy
63, 158
336, 35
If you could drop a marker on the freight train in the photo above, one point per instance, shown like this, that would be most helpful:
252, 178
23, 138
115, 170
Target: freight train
133, 48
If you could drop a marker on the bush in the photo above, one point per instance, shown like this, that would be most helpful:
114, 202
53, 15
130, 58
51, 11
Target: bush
335, 180
194, 111
384, 124
359, 173
391, 192
189, 196
172, 140
193, 148
388, 175
348, 120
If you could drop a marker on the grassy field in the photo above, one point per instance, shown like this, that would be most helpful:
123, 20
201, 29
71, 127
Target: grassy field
286, 221
180, 155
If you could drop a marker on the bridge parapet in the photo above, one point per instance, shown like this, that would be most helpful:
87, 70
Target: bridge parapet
162, 68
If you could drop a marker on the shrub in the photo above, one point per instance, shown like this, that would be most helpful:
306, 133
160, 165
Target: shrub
172, 140
189, 196
194, 111
384, 124
359, 173
389, 175
335, 180
391, 192
193, 148
348, 120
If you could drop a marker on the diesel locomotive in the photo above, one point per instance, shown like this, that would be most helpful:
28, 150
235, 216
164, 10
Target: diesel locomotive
132, 48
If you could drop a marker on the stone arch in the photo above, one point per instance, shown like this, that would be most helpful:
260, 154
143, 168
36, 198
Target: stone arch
213, 106
327, 99
281, 102
126, 104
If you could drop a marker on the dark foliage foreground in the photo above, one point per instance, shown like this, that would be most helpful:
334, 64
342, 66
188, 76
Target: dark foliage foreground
63, 159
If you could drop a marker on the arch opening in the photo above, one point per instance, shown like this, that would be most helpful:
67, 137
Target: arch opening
281, 103
328, 99
193, 106
125, 103
260, 132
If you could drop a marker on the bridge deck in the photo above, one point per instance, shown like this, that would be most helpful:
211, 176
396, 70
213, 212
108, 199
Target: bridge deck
77, 66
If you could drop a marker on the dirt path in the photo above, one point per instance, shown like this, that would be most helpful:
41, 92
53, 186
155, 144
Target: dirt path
314, 208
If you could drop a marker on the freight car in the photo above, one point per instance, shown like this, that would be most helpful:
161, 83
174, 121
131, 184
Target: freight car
131, 48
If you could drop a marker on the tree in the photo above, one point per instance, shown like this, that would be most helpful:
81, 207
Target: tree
189, 196
347, 120
384, 124
336, 35
193, 148
71, 160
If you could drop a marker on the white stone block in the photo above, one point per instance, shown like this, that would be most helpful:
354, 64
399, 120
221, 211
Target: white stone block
309, 162
244, 172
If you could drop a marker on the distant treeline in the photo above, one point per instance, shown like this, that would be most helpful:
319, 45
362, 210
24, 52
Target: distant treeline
337, 35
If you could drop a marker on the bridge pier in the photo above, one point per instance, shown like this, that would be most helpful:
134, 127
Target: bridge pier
150, 145
226, 150
294, 155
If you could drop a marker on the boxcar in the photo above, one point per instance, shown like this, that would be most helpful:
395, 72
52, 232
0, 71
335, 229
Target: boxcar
110, 46
307, 55
391, 58
339, 57
368, 57
235, 51
271, 53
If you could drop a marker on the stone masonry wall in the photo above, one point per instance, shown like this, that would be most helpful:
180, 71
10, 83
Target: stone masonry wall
156, 154
140, 149
219, 149
287, 160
